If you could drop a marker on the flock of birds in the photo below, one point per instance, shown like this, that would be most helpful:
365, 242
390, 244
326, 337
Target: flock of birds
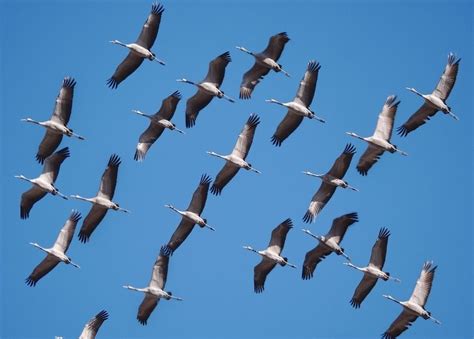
207, 89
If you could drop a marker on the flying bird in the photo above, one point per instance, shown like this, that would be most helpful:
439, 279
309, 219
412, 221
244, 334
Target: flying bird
139, 50
207, 88
191, 216
56, 126
158, 122
327, 244
236, 160
271, 256
92, 327
435, 101
373, 271
57, 253
103, 201
379, 142
330, 181
415, 306
264, 62
299, 108
44, 183
154, 292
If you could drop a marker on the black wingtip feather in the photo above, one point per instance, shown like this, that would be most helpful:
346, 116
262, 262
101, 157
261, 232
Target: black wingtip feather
216, 190
40, 159
402, 131
205, 180
30, 282
142, 321
225, 56
288, 223
114, 160
24, 214
349, 149
245, 94
83, 237
103, 315
64, 152
384, 233
313, 66
166, 251
190, 121
75, 216
157, 8
259, 289
354, 303
306, 274
452, 59
177, 95
253, 120
308, 217
284, 35
361, 171
69, 82
354, 217
139, 156
276, 141
112, 83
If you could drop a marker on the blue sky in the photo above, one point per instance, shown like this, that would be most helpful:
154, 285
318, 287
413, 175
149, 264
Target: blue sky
368, 50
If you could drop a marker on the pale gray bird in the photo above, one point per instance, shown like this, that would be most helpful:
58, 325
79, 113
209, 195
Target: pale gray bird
57, 253
56, 126
139, 50
436, 101
158, 122
264, 63
155, 289
44, 183
327, 244
207, 88
415, 306
271, 255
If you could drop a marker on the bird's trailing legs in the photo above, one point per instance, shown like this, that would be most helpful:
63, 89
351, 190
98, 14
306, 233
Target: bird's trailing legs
227, 97
161, 62
401, 152
254, 170
454, 116
73, 264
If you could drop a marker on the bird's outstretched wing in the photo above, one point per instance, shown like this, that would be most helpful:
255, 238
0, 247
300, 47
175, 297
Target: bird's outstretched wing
48, 145
160, 269
379, 250
168, 106
260, 273
150, 27
63, 106
401, 324
312, 258
126, 67
371, 155
52, 164
90, 223
199, 198
44, 267
275, 46
92, 327
245, 139
67, 232
224, 176
28, 199
278, 237
194, 105
340, 225
146, 307
342, 163
420, 117
109, 178
363, 289
423, 284
307, 87
319, 200
448, 78
147, 139
384, 127
251, 78
288, 125
216, 72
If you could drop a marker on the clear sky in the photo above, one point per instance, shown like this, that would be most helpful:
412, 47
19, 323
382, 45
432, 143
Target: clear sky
367, 49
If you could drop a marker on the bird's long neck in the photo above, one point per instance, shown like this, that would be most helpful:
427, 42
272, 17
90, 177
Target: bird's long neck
22, 177
116, 42
187, 81
217, 155
275, 102
135, 288
252, 249
320, 176
354, 266
243, 49
38, 246
142, 114
174, 209
415, 91
312, 235
393, 299
78, 197
32, 121
352, 134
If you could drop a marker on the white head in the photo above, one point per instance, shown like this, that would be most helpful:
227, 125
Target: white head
249, 248
313, 174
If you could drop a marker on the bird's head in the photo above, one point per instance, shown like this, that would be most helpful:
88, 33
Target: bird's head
27, 119
248, 248
115, 42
